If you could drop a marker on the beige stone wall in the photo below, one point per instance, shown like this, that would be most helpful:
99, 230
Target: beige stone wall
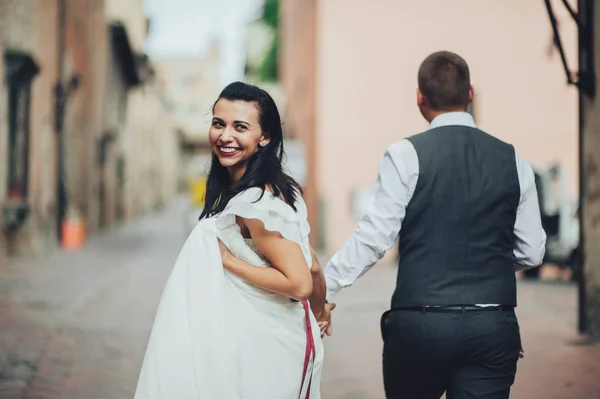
116, 108
23, 28
42, 158
151, 147
147, 142
87, 52
298, 75
17, 22
131, 13
98, 77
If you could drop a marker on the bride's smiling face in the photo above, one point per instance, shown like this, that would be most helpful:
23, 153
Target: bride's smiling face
235, 134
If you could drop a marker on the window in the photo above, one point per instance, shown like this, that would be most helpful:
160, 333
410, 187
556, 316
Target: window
19, 72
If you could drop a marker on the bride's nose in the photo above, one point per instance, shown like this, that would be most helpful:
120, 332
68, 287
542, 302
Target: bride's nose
226, 137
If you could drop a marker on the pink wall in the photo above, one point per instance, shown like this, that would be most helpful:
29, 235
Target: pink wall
367, 60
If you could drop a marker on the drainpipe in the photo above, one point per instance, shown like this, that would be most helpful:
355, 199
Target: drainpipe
61, 194
62, 91
582, 321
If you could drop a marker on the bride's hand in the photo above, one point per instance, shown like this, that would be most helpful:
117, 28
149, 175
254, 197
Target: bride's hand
226, 255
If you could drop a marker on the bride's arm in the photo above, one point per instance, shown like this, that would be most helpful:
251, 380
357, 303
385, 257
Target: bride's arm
289, 276
317, 297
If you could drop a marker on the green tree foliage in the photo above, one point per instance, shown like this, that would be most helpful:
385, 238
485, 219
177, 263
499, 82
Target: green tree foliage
268, 69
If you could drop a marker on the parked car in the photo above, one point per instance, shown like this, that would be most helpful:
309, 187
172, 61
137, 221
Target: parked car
560, 220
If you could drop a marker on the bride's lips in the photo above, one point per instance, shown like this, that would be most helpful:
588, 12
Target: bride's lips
228, 151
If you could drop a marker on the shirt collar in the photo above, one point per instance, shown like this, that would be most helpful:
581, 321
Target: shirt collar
452, 118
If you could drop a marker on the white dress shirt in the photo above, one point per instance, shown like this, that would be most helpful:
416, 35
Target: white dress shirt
398, 175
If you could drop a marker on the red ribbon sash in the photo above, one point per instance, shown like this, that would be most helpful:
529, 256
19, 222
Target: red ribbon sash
309, 355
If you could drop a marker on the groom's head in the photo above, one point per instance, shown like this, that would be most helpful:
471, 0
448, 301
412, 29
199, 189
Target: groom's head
444, 84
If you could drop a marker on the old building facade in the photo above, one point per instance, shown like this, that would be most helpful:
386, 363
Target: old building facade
153, 170
146, 164
68, 137
28, 151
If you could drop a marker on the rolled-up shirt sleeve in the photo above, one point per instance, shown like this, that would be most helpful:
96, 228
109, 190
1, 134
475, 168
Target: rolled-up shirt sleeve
530, 236
378, 229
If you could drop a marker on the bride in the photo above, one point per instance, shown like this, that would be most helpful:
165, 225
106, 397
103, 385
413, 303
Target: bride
234, 320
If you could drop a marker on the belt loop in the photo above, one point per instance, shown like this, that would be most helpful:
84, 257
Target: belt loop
424, 309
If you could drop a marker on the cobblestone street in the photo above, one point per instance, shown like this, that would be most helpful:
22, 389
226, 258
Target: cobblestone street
74, 325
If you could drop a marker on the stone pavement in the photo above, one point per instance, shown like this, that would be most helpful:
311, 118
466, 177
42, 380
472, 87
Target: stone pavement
75, 325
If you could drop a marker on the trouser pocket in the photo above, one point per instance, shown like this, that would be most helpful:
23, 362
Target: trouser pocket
382, 323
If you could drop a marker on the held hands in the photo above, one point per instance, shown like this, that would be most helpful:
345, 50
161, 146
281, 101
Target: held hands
323, 316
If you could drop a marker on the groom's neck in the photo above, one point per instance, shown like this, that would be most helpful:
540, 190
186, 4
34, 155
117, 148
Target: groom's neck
432, 114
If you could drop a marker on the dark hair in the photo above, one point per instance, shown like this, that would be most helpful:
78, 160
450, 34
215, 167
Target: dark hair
445, 81
264, 169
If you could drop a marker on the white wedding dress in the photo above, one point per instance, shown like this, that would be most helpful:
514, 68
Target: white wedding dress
215, 336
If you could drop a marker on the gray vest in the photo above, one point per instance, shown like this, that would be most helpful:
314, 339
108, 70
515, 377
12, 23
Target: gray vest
457, 239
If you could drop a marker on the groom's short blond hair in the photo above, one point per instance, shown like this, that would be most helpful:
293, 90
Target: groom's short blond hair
444, 80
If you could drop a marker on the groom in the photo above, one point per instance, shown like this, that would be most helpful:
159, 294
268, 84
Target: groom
467, 210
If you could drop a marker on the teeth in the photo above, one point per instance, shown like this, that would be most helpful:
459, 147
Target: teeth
228, 149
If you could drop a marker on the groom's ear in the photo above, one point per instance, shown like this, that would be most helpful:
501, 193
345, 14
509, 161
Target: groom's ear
420, 98
471, 93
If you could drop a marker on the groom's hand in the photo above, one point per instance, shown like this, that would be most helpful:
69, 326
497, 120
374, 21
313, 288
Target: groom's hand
318, 304
521, 352
324, 319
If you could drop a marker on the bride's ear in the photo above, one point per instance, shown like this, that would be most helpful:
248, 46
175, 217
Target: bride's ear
264, 141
